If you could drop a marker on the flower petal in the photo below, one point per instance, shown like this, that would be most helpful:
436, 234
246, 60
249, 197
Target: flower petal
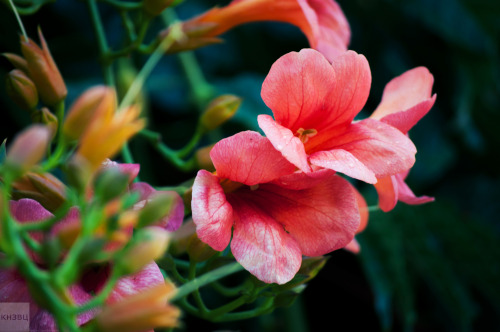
380, 147
285, 142
321, 218
148, 277
212, 213
249, 158
300, 180
406, 99
406, 195
387, 189
330, 30
261, 245
304, 91
405, 91
343, 162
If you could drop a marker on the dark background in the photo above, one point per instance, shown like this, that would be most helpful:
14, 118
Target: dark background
433, 267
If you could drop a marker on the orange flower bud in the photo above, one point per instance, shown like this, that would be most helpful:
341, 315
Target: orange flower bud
142, 311
21, 90
29, 147
43, 71
219, 111
203, 159
155, 7
151, 244
17, 61
196, 36
46, 117
91, 104
44, 188
107, 133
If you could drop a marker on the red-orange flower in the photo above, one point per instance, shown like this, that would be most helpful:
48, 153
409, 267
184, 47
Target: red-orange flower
314, 104
406, 99
322, 21
274, 214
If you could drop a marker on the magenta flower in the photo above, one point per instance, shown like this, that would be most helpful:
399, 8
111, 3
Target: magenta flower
276, 214
15, 289
314, 104
406, 99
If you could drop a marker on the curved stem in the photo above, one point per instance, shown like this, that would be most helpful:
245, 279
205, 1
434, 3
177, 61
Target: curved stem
174, 34
21, 26
102, 42
206, 279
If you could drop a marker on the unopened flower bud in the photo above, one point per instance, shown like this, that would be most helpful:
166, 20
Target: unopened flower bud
79, 172
110, 183
46, 117
29, 147
142, 311
156, 7
195, 36
87, 107
43, 71
203, 160
21, 90
17, 61
185, 239
45, 188
151, 245
219, 111
199, 251
156, 207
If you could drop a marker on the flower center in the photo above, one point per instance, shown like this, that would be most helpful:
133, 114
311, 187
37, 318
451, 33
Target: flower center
230, 186
305, 134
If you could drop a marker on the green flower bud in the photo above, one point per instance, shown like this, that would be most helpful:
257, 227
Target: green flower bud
219, 111
21, 90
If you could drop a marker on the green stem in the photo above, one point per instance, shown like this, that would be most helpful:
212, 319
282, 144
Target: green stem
189, 147
206, 279
227, 291
202, 91
124, 5
266, 308
21, 26
102, 42
373, 208
169, 154
136, 86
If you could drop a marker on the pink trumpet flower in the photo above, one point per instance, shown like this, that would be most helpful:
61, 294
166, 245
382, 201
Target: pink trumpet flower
275, 213
314, 104
406, 99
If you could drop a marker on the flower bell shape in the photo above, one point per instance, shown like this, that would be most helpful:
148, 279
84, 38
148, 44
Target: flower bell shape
276, 214
106, 130
406, 99
322, 21
314, 104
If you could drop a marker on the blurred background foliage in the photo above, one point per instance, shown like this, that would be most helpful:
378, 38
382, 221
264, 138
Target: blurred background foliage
423, 268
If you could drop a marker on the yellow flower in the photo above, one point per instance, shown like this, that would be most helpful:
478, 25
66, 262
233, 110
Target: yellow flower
106, 133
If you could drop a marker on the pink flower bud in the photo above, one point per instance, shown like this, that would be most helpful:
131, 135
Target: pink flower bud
29, 147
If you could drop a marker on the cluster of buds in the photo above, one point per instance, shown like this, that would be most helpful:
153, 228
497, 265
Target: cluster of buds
36, 76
